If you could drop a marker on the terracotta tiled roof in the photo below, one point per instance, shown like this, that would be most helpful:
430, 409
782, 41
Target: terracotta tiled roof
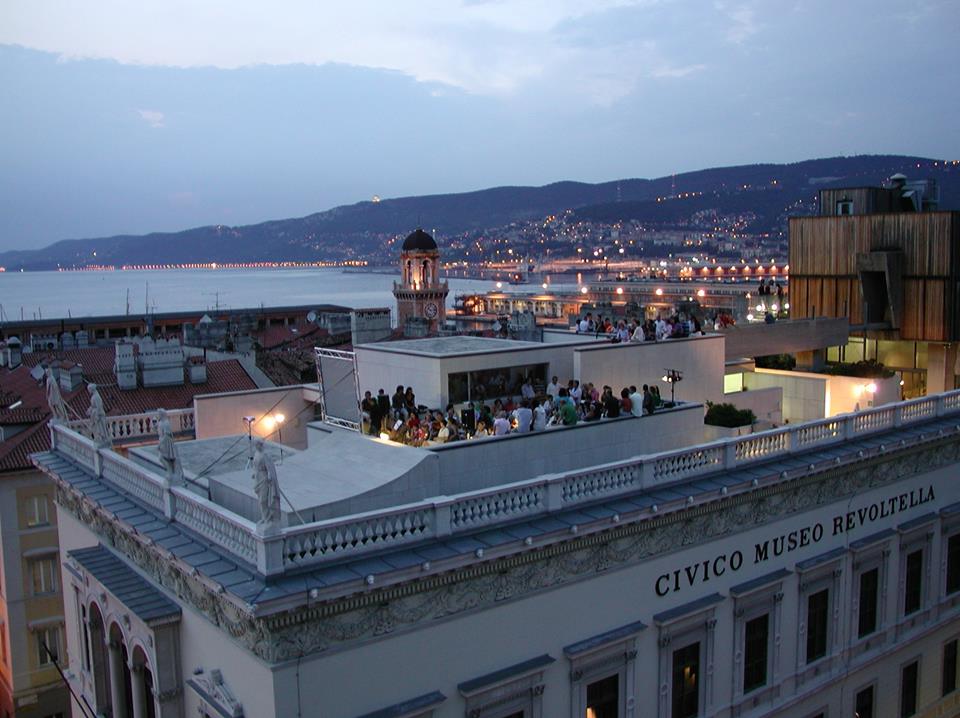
95, 360
297, 334
17, 384
21, 415
15, 452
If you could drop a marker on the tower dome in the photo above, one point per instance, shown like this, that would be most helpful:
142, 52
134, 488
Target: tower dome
418, 241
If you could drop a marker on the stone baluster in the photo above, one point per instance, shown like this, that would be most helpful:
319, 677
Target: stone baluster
118, 697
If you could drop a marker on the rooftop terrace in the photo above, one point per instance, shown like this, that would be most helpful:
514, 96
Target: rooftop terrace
330, 558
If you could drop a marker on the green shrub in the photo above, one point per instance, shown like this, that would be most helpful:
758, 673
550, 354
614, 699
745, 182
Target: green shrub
776, 361
866, 369
728, 415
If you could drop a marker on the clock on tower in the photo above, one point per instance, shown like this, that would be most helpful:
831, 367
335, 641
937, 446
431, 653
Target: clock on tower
420, 293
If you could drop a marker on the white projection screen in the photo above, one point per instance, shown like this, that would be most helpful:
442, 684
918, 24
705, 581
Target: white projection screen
339, 390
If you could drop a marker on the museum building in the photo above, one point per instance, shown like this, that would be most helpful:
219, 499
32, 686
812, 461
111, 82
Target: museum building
809, 570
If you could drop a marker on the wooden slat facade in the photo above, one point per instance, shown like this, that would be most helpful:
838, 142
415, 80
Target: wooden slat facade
823, 268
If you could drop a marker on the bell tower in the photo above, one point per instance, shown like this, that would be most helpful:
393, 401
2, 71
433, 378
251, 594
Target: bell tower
420, 293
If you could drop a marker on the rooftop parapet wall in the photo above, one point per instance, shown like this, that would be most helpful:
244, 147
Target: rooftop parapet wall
785, 337
699, 358
331, 540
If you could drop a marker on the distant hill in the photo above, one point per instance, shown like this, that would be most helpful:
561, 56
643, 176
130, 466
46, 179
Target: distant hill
767, 192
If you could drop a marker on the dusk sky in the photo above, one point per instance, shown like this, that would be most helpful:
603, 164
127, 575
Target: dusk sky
130, 117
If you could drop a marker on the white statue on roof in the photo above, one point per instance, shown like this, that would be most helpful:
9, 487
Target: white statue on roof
58, 409
267, 488
168, 448
97, 416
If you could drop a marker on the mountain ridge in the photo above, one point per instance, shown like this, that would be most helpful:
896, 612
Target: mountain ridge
362, 229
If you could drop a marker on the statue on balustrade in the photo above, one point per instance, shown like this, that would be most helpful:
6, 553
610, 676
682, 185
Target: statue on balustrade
167, 448
267, 488
58, 409
97, 416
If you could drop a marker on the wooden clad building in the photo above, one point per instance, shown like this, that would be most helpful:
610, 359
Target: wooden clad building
896, 274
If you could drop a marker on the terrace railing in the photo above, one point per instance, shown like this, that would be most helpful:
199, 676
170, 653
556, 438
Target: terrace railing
129, 428
350, 536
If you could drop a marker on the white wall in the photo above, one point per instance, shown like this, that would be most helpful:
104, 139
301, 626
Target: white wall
808, 396
429, 376
222, 414
386, 370
477, 463
766, 404
444, 653
846, 392
701, 359
804, 394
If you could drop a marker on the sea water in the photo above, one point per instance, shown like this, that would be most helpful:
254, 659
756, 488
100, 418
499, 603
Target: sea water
34, 295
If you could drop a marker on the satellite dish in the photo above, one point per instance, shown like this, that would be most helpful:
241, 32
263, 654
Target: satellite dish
311, 316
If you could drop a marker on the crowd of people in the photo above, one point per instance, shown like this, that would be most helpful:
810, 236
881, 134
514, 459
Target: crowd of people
633, 330
400, 418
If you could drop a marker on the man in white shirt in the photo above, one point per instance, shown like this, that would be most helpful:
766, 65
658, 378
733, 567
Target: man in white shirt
523, 417
575, 392
539, 416
584, 325
501, 426
662, 332
636, 402
553, 389
526, 390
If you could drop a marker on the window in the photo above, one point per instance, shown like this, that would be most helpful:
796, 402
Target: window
869, 587
758, 609
490, 384
844, 207
44, 572
913, 583
37, 511
863, 705
601, 671
603, 697
953, 564
948, 683
513, 691
48, 646
908, 689
687, 642
756, 640
686, 681
818, 609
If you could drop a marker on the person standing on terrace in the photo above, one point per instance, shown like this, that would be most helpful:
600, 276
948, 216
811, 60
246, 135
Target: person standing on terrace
553, 389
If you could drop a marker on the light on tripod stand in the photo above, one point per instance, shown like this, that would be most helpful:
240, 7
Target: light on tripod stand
671, 377
248, 420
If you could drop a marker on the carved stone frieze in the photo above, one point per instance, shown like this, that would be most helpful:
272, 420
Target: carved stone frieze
364, 617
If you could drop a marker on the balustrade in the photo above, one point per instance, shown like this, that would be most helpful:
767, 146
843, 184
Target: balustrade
500, 505
222, 527
354, 536
764, 445
684, 464
818, 432
397, 526
132, 478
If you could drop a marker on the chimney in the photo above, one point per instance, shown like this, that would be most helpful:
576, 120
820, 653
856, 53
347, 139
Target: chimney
14, 352
197, 369
71, 376
125, 365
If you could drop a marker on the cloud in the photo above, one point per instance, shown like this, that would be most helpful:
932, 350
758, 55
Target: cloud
668, 72
743, 24
153, 118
